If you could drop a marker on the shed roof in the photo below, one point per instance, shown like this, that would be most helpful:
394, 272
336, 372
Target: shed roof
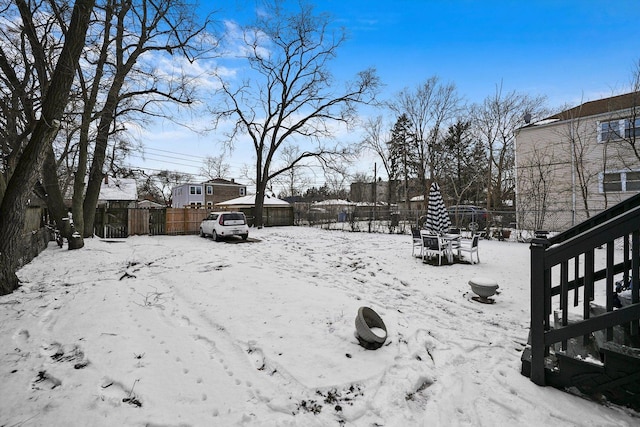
118, 189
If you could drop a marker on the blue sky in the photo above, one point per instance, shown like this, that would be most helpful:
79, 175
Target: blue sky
566, 50
569, 51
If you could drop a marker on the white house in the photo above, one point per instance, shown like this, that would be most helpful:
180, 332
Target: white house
576, 163
187, 195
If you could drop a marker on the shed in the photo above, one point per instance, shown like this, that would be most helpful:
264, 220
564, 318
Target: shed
274, 211
118, 192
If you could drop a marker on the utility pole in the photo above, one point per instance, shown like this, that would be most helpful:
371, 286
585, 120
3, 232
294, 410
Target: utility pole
375, 192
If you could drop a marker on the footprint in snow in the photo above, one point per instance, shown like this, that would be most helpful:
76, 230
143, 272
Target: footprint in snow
45, 381
21, 337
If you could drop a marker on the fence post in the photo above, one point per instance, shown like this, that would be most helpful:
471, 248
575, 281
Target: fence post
538, 312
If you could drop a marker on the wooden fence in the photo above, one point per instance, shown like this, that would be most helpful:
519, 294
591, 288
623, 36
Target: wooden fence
184, 221
124, 222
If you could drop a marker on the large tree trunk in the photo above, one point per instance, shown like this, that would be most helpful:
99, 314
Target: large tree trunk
261, 187
55, 202
21, 183
96, 174
77, 200
93, 186
12, 209
53, 196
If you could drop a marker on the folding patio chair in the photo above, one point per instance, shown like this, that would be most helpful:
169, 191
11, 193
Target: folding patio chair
417, 240
470, 246
432, 245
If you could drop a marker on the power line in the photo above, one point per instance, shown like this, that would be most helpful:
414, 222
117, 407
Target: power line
186, 157
146, 158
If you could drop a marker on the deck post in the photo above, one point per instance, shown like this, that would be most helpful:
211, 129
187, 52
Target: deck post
537, 312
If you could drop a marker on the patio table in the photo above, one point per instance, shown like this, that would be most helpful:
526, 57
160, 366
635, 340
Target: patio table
449, 242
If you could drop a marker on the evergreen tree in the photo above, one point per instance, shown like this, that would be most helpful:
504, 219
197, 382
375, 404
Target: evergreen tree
401, 158
464, 165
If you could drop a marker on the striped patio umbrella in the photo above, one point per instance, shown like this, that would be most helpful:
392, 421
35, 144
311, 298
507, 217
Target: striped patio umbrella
437, 215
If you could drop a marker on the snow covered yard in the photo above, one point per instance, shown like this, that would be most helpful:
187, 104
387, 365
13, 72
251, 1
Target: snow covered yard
183, 331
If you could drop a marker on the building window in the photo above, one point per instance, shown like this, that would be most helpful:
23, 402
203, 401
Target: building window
609, 131
632, 180
243, 191
209, 190
612, 182
209, 204
195, 189
620, 181
632, 128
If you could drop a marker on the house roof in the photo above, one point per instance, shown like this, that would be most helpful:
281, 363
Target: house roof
600, 106
222, 181
118, 189
250, 200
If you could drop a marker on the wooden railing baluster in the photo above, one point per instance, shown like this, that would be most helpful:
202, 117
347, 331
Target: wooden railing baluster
564, 297
558, 252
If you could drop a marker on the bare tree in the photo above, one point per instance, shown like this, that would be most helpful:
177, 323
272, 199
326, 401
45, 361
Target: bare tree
133, 30
336, 180
620, 137
20, 180
28, 56
577, 142
377, 139
157, 187
629, 135
535, 180
289, 96
495, 123
215, 167
632, 133
115, 85
429, 107
293, 180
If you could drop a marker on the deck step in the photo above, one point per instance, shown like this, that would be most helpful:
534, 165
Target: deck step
615, 379
602, 369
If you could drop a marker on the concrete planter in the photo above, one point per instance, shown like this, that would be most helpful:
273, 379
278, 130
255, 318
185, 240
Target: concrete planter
484, 288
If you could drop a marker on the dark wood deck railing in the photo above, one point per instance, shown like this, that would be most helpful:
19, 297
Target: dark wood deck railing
565, 264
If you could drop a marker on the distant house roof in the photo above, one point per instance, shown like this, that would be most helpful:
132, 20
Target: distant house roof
222, 181
250, 200
600, 106
118, 189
